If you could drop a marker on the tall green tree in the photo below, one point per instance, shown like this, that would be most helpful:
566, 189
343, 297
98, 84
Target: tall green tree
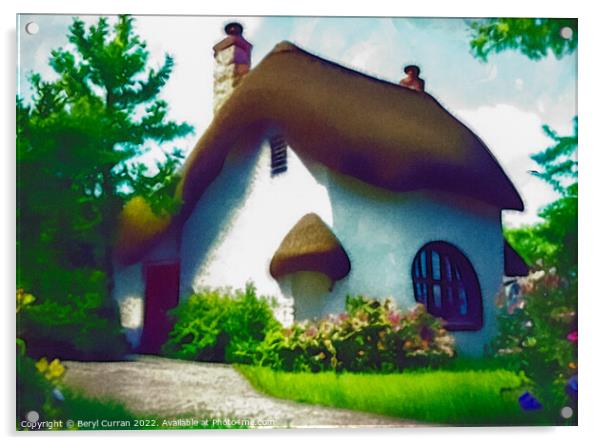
79, 139
554, 240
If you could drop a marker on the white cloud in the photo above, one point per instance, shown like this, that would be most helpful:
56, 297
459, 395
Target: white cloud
513, 135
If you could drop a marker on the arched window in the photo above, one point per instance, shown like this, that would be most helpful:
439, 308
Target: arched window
446, 283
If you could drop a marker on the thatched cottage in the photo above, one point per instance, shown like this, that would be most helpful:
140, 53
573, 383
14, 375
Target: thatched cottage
316, 181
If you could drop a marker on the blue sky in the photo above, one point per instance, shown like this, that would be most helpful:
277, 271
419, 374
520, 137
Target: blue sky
504, 101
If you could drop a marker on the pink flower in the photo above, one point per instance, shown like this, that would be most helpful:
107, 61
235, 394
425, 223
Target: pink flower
572, 337
394, 318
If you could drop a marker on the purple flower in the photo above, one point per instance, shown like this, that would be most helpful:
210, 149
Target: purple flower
571, 387
528, 402
572, 337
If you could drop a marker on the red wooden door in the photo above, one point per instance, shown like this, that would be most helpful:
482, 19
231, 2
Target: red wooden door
161, 294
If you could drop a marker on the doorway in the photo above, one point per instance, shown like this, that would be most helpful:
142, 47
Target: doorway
162, 288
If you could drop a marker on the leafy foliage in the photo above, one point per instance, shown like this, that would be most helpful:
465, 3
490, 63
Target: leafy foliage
370, 336
559, 161
40, 388
533, 37
534, 330
33, 390
553, 242
221, 325
535, 333
79, 139
42, 391
538, 317
71, 327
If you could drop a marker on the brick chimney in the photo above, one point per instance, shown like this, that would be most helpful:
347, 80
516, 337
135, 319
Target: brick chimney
232, 62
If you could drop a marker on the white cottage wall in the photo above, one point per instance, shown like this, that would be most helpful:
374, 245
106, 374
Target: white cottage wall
242, 217
382, 232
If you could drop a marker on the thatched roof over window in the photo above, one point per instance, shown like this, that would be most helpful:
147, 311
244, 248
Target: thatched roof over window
310, 246
514, 264
377, 131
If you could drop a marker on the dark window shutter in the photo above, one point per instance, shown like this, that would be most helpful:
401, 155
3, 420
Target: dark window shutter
279, 154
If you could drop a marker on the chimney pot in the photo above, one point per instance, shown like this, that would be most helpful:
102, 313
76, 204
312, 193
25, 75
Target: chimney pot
412, 80
232, 62
233, 29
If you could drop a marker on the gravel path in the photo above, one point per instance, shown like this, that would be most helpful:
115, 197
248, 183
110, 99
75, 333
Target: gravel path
175, 389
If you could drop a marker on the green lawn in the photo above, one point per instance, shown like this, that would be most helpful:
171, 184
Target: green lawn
459, 397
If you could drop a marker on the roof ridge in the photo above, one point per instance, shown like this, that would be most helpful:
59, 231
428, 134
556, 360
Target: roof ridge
286, 46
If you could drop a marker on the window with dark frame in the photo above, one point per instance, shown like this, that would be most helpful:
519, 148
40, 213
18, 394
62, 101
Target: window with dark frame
279, 154
446, 283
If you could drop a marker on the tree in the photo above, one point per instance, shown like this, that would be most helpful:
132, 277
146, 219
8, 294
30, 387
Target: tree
554, 241
533, 37
539, 331
78, 143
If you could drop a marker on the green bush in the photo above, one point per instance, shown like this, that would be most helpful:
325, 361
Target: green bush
78, 327
538, 335
370, 336
39, 389
33, 390
221, 326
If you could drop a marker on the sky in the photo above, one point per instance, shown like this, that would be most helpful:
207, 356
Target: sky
504, 101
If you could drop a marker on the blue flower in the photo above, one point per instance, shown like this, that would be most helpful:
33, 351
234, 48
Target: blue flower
528, 402
571, 387
58, 395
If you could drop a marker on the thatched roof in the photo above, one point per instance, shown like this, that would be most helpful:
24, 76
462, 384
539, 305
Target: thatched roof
379, 132
310, 246
514, 264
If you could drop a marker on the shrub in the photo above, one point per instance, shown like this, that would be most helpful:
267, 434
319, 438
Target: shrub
370, 336
39, 383
40, 389
538, 335
78, 327
221, 326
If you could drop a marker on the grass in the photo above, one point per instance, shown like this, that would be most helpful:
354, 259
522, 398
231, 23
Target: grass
79, 408
447, 396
